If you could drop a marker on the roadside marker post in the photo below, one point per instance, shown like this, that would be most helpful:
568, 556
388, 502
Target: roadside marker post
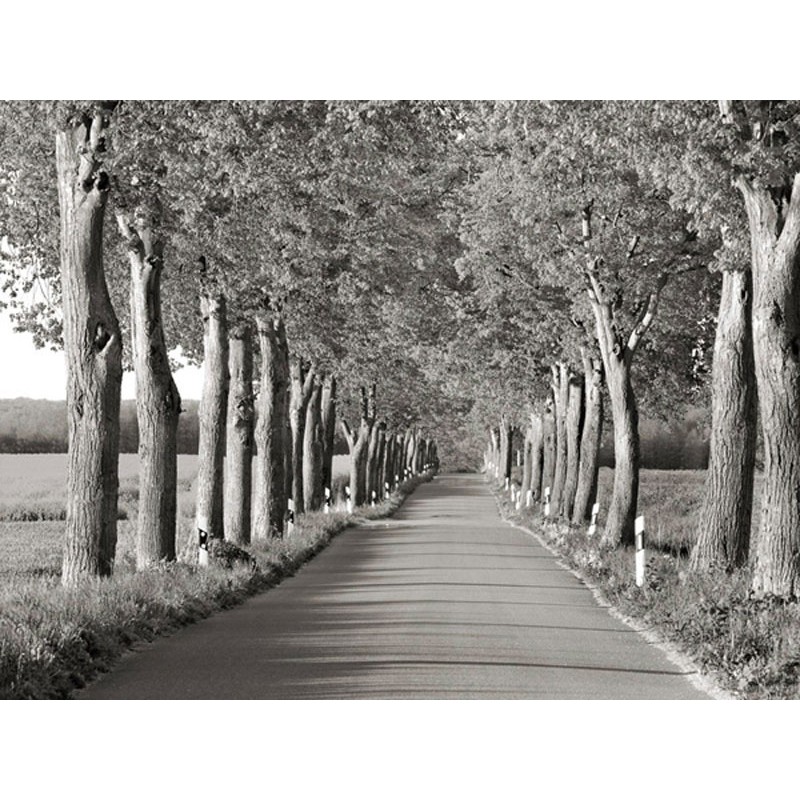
528, 498
640, 551
519, 458
290, 518
374, 495
593, 525
349, 500
202, 553
386, 488
547, 501
327, 500
519, 499
508, 484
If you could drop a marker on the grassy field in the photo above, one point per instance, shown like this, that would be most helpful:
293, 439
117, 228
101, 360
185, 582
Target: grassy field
33, 506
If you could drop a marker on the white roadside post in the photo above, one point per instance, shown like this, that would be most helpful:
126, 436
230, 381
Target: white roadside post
547, 501
593, 524
519, 499
386, 488
290, 518
202, 552
528, 498
519, 458
396, 480
640, 552
327, 500
374, 495
508, 484
349, 500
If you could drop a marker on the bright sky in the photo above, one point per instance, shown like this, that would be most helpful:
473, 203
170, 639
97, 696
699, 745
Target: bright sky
26, 371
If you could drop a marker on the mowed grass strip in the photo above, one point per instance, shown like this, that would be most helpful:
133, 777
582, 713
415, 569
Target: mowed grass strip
54, 640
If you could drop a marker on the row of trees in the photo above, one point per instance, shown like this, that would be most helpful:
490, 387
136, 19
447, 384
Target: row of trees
603, 228
265, 211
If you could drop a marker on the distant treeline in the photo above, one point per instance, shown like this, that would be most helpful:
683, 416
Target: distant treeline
40, 426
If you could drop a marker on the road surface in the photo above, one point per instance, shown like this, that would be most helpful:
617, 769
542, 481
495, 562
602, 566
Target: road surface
444, 600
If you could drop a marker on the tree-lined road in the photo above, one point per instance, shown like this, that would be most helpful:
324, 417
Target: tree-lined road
442, 601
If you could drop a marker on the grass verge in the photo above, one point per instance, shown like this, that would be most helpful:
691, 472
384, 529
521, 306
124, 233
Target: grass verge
748, 646
54, 640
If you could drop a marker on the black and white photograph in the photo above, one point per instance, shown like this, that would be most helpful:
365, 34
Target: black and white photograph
326, 397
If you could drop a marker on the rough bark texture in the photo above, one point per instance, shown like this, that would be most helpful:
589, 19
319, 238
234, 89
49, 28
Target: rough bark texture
239, 436
574, 421
212, 415
271, 427
561, 397
548, 447
723, 533
775, 239
302, 383
506, 451
93, 351
526, 465
359, 444
158, 403
388, 464
313, 452
585, 494
328, 429
536, 449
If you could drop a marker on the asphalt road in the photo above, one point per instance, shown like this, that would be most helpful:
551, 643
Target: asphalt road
442, 601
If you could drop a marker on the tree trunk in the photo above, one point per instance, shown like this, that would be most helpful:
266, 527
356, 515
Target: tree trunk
526, 466
494, 449
239, 436
313, 452
372, 463
548, 447
586, 493
158, 403
625, 495
212, 414
775, 239
328, 430
302, 384
388, 464
536, 450
723, 532
271, 426
379, 471
93, 351
573, 434
358, 448
561, 394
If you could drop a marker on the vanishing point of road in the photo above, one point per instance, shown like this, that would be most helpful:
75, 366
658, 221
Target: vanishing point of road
444, 600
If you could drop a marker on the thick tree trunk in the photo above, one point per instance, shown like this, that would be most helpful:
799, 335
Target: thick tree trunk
526, 466
158, 404
271, 427
585, 494
625, 495
328, 429
561, 395
359, 445
775, 239
372, 463
212, 415
723, 533
388, 464
536, 449
548, 447
379, 493
313, 452
411, 445
93, 350
239, 436
574, 421
302, 384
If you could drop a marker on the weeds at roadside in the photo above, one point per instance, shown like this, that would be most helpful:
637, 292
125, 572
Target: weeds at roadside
750, 646
54, 640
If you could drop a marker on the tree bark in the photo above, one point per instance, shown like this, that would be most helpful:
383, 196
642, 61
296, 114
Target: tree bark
723, 532
302, 384
313, 452
526, 466
158, 403
586, 493
329, 429
548, 447
271, 427
212, 414
93, 351
536, 450
358, 445
239, 436
561, 378
574, 420
388, 464
775, 240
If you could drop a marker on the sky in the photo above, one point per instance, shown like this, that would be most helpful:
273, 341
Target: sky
26, 371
